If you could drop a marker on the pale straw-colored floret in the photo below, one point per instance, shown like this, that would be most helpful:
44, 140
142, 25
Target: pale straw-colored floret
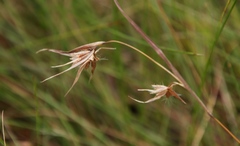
82, 57
160, 91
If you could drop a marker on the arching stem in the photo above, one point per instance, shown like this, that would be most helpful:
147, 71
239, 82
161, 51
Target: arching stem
158, 64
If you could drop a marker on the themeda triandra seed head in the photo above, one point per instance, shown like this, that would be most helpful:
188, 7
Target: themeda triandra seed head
82, 57
160, 91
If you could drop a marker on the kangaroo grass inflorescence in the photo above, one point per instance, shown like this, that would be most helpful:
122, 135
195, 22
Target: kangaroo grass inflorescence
160, 91
85, 56
174, 70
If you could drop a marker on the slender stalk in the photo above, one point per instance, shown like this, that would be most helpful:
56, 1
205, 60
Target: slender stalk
225, 9
3, 132
158, 64
174, 70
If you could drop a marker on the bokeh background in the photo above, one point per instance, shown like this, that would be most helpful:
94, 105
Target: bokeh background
99, 112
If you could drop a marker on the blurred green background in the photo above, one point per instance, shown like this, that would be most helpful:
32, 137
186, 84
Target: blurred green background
100, 112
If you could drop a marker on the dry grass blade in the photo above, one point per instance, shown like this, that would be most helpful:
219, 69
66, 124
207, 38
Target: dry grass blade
3, 132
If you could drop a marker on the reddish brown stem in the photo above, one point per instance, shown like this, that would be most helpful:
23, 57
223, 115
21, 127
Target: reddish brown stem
174, 70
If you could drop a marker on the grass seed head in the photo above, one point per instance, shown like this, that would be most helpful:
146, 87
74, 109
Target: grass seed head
82, 57
160, 91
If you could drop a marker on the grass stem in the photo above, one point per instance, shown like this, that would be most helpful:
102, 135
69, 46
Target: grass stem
144, 54
3, 132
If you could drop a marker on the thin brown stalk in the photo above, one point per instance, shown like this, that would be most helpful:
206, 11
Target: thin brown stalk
150, 42
174, 70
225, 9
178, 41
139, 51
3, 132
